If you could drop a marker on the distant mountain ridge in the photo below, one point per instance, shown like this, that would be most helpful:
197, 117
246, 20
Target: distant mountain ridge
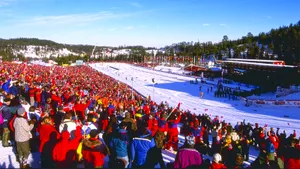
40, 48
33, 47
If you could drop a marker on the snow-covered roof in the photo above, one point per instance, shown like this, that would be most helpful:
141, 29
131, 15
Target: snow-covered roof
260, 64
254, 60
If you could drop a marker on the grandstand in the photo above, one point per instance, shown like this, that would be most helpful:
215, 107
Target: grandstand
266, 73
259, 61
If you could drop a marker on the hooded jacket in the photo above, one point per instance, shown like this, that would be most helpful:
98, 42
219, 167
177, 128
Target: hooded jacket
61, 150
93, 152
187, 157
45, 131
6, 115
140, 147
215, 165
120, 143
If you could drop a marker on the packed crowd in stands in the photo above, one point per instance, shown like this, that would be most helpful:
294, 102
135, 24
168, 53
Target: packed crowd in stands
78, 116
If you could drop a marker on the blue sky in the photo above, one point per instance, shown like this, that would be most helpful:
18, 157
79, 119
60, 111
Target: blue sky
142, 22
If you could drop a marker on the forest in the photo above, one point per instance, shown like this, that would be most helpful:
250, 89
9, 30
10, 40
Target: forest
282, 43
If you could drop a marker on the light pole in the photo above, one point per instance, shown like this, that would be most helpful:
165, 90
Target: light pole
153, 89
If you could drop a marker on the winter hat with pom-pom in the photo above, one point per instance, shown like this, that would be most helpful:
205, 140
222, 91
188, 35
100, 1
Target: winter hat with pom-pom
217, 158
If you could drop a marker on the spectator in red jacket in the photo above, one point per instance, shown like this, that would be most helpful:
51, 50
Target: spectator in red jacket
146, 109
31, 91
93, 151
38, 96
61, 150
48, 139
274, 139
162, 124
80, 108
152, 124
173, 132
216, 164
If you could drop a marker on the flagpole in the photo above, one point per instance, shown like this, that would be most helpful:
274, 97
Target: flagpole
173, 110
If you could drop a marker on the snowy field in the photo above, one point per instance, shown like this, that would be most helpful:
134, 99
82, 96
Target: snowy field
175, 88
176, 70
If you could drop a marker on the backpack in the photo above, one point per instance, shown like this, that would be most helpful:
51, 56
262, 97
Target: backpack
11, 123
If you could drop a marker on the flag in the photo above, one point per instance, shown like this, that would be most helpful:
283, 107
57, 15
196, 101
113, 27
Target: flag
178, 107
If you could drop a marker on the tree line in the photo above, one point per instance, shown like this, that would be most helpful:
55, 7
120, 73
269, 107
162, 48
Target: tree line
282, 43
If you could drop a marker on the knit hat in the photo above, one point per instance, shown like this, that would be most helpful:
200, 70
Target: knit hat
190, 140
217, 158
21, 111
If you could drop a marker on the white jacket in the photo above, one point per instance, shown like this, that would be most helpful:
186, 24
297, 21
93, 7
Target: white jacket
22, 129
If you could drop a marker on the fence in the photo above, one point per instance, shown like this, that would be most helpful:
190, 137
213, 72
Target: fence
295, 103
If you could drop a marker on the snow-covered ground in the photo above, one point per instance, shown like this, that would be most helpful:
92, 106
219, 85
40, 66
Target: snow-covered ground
176, 70
233, 85
39, 62
174, 88
42, 51
272, 96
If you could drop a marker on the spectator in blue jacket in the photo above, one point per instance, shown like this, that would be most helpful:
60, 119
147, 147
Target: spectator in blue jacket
120, 144
6, 85
6, 115
140, 146
14, 90
270, 149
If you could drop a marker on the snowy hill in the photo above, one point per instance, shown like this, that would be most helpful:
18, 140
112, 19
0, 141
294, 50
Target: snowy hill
42, 51
38, 48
